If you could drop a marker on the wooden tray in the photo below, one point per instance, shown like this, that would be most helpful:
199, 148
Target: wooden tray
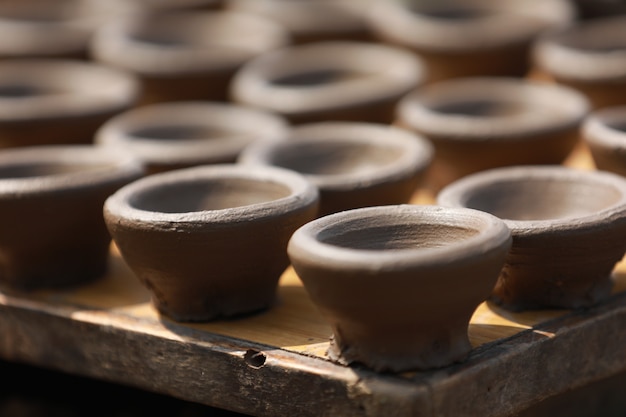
274, 363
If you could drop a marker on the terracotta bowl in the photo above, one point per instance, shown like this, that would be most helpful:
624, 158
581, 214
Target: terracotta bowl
604, 133
322, 81
589, 56
177, 135
352, 164
52, 233
312, 20
185, 55
461, 38
49, 101
487, 122
568, 231
399, 284
210, 241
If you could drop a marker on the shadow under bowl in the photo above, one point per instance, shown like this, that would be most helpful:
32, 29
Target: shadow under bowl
568, 230
488, 122
179, 135
399, 284
210, 241
353, 164
52, 231
604, 133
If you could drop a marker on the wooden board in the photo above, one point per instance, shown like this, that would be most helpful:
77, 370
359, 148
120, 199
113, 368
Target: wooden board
275, 363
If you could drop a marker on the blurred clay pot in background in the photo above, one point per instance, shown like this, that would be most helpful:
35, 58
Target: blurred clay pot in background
399, 284
52, 233
312, 20
589, 56
353, 81
604, 132
568, 230
185, 55
177, 135
460, 38
481, 123
46, 101
210, 241
352, 164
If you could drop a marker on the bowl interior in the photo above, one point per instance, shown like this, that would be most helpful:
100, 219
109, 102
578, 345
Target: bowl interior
396, 235
303, 79
215, 194
543, 199
23, 90
174, 132
334, 158
480, 108
47, 169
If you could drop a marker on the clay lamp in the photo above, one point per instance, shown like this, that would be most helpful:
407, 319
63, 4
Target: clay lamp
487, 122
352, 164
589, 56
354, 81
312, 20
52, 234
461, 38
177, 135
604, 133
48, 101
210, 241
185, 55
399, 284
568, 230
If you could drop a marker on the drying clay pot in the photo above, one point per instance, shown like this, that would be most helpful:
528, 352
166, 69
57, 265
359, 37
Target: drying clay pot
185, 55
51, 229
399, 284
481, 123
312, 20
183, 134
49, 29
568, 230
589, 56
461, 38
59, 101
352, 164
210, 241
354, 81
604, 133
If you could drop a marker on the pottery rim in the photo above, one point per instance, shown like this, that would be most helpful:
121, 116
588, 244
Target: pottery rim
238, 127
186, 41
123, 203
414, 152
602, 128
87, 166
502, 23
386, 72
460, 193
592, 51
529, 108
309, 240
38, 89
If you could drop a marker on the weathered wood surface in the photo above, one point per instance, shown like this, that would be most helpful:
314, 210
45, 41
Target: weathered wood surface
274, 363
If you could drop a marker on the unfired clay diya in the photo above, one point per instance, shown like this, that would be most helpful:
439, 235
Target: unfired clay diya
177, 135
312, 20
604, 133
322, 81
52, 233
353, 164
399, 284
185, 55
461, 38
210, 241
487, 122
49, 101
568, 230
589, 56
